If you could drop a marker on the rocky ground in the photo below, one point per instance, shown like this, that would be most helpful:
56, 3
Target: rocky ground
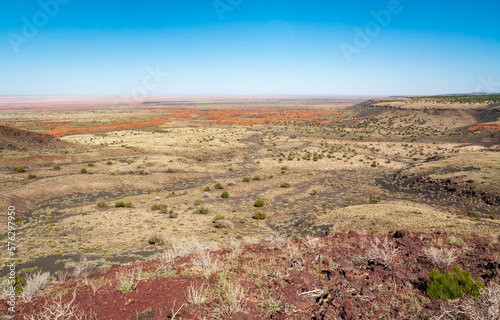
340, 276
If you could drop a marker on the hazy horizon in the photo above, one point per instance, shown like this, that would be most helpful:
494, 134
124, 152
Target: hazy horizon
248, 48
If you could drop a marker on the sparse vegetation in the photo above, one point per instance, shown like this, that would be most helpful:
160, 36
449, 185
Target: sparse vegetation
122, 204
19, 169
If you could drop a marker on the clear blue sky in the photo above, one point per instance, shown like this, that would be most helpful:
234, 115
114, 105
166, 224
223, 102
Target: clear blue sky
249, 47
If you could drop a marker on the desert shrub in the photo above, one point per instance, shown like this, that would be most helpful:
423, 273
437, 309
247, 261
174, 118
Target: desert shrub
218, 186
382, 251
231, 183
34, 283
31, 176
375, 199
56, 167
207, 188
285, 185
170, 170
90, 164
172, 214
5, 285
246, 179
224, 224
197, 202
202, 210
19, 169
259, 215
219, 217
313, 193
256, 178
225, 195
259, 203
83, 170
156, 238
284, 168
156, 207
441, 257
102, 204
121, 204
453, 286
374, 164
197, 296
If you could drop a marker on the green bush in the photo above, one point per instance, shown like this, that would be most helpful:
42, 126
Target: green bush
218, 186
83, 170
156, 238
259, 203
102, 204
374, 164
256, 178
56, 168
285, 185
207, 188
246, 179
121, 204
90, 164
259, 215
284, 168
19, 169
219, 217
202, 210
313, 193
170, 170
453, 286
31, 176
375, 199
225, 195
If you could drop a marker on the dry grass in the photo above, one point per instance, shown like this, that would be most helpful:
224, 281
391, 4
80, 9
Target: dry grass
394, 215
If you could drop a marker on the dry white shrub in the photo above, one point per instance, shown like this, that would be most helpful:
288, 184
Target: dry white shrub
382, 251
34, 283
197, 296
487, 307
233, 298
312, 243
441, 257
277, 239
57, 310
204, 262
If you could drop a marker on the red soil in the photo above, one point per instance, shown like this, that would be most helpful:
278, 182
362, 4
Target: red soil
493, 127
67, 129
354, 287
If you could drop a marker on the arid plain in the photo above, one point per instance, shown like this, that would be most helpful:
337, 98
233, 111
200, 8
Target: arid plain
119, 183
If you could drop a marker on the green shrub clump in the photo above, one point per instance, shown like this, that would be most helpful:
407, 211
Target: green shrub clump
246, 179
218, 186
202, 210
219, 217
207, 188
225, 195
83, 170
286, 185
19, 169
259, 203
453, 286
375, 199
31, 176
259, 215
56, 167
256, 178
102, 204
121, 204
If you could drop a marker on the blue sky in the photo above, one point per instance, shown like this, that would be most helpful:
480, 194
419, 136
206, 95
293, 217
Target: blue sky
249, 47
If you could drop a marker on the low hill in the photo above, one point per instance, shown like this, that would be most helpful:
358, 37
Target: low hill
23, 140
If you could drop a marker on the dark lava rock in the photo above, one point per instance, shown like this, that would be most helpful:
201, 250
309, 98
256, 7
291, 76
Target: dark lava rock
147, 313
402, 234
